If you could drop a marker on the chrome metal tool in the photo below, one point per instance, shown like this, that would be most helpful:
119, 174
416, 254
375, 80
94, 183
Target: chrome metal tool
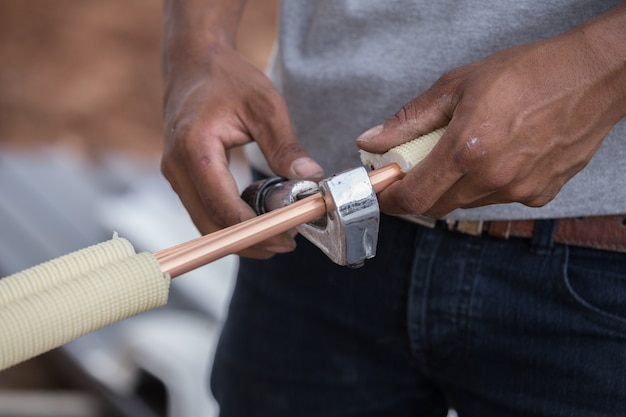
348, 233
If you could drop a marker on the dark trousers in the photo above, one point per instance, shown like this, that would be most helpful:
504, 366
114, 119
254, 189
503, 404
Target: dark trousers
487, 326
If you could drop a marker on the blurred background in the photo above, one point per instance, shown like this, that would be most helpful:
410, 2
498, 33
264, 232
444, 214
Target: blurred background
80, 143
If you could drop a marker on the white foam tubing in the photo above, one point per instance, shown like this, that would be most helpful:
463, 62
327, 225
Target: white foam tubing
49, 274
406, 155
47, 319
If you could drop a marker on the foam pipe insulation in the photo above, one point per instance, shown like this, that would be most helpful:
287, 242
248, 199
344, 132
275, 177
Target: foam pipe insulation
406, 155
51, 273
49, 305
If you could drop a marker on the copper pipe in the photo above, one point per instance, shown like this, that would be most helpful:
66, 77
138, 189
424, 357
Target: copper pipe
383, 177
190, 255
203, 250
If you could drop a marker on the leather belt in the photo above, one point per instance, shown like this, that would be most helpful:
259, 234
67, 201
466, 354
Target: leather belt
597, 232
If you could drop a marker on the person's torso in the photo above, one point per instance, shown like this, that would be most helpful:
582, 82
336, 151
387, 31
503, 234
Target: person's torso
346, 65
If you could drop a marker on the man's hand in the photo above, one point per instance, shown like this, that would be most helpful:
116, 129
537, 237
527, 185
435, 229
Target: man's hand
521, 122
215, 100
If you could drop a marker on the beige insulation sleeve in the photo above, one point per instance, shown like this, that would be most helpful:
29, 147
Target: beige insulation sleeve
51, 273
406, 155
51, 317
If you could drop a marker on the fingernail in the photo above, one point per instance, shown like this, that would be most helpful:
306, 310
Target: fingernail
306, 168
370, 134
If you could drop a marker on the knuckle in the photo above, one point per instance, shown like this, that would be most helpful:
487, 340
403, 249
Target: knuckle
287, 150
451, 79
498, 176
268, 104
496, 180
470, 152
522, 195
403, 116
411, 203
282, 154
537, 202
528, 194
436, 213
166, 167
169, 164
175, 143
543, 197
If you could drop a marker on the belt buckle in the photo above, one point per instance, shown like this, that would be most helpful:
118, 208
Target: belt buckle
468, 227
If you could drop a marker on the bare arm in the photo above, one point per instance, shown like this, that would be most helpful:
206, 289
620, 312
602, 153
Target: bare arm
522, 122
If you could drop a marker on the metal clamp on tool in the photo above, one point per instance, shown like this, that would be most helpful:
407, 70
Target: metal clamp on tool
348, 234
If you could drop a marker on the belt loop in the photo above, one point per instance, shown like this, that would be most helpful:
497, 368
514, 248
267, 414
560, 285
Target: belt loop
542, 242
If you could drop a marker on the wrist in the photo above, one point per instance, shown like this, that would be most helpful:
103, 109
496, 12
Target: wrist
196, 29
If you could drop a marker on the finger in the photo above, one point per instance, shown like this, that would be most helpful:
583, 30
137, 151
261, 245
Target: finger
278, 142
210, 173
420, 116
183, 187
532, 191
219, 193
458, 196
426, 182
205, 209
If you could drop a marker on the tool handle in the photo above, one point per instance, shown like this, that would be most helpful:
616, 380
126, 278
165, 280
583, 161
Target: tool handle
406, 155
255, 194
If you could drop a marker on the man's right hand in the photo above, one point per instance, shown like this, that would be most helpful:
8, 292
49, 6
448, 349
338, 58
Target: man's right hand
215, 100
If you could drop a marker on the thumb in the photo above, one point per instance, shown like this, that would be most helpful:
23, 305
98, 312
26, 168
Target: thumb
418, 117
287, 158
284, 153
305, 167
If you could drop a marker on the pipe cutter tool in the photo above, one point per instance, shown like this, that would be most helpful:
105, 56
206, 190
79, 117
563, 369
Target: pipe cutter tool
348, 233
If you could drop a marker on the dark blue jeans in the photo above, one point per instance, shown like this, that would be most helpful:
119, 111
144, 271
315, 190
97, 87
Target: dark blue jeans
488, 326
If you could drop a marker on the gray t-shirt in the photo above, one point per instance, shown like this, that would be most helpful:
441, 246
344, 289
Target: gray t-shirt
346, 65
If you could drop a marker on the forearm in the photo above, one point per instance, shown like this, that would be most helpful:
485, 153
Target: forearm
193, 29
606, 37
